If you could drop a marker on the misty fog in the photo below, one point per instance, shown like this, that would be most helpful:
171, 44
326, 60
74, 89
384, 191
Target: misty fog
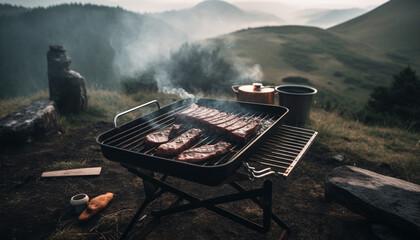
108, 45
191, 69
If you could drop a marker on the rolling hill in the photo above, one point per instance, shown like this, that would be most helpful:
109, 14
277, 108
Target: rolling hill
344, 69
392, 26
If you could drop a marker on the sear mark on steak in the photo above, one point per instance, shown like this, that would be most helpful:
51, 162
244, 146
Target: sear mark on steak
183, 115
178, 144
204, 152
244, 133
162, 135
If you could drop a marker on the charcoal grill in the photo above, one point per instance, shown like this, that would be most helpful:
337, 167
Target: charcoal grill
274, 150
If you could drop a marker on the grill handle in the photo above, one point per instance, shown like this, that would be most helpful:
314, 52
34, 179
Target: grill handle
134, 108
253, 173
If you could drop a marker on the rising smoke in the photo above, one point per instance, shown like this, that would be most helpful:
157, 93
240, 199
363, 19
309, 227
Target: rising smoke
156, 55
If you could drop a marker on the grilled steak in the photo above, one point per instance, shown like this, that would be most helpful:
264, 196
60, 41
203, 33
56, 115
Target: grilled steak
220, 115
204, 152
242, 134
178, 144
230, 125
221, 128
162, 135
237, 125
182, 115
221, 120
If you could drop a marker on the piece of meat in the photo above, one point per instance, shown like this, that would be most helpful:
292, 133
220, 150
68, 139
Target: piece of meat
220, 115
192, 108
204, 152
189, 117
233, 127
208, 114
221, 128
181, 115
195, 117
244, 133
239, 124
162, 135
200, 120
178, 144
221, 120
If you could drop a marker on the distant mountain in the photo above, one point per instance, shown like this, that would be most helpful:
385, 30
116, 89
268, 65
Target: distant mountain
393, 26
327, 18
104, 43
211, 18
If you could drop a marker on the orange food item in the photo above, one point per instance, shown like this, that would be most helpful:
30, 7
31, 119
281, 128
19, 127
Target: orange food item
96, 205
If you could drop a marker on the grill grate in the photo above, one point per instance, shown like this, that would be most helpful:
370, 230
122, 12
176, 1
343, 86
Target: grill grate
283, 150
132, 139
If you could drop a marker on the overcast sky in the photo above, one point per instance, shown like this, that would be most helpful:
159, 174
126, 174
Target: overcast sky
162, 5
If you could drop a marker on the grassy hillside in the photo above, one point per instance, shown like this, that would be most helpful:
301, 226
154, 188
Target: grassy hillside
392, 26
361, 145
345, 70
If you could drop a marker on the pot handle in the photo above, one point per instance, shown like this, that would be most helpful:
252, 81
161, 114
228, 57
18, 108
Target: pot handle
235, 88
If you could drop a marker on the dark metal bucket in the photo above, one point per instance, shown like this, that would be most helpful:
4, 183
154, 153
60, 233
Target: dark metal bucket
298, 99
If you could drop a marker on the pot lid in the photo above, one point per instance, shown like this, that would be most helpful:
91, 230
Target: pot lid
256, 88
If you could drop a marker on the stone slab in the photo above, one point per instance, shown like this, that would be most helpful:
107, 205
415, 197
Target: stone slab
31, 122
380, 198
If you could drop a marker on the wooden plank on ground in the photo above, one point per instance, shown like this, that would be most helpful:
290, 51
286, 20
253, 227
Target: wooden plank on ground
73, 172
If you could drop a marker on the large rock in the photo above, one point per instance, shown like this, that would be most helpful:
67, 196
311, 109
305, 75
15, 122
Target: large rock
67, 87
33, 121
380, 198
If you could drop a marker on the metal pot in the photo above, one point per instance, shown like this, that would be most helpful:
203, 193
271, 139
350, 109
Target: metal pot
254, 93
298, 99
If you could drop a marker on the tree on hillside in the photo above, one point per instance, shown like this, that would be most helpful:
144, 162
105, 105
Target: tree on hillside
398, 103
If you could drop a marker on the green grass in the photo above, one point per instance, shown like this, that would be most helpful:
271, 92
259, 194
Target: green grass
8, 106
397, 147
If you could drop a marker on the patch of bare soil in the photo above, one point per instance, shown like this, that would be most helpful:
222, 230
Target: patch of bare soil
37, 208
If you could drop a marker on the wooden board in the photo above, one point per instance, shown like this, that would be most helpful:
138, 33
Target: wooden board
73, 172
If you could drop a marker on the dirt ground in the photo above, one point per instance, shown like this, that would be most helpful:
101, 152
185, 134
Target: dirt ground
38, 208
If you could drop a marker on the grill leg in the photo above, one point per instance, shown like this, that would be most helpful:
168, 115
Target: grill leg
266, 205
151, 190
276, 219
134, 219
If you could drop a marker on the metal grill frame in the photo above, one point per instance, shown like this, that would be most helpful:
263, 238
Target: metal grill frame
208, 175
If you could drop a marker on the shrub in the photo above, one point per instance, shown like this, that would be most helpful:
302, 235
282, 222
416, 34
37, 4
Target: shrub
397, 104
197, 68
338, 74
193, 69
144, 81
